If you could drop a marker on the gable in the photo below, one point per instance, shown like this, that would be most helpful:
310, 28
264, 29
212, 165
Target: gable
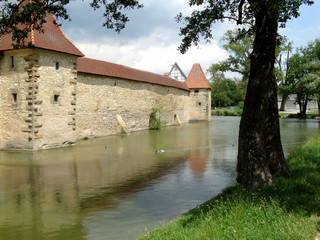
176, 73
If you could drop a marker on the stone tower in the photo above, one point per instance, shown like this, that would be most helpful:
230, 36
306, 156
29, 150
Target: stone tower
200, 94
38, 90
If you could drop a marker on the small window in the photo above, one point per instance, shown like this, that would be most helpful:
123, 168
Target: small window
12, 62
196, 91
199, 103
115, 83
55, 99
15, 98
57, 66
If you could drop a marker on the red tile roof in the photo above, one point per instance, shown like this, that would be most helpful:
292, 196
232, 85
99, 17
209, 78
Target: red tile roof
92, 66
196, 78
52, 38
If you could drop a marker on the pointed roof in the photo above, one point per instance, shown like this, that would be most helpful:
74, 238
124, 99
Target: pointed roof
98, 67
196, 78
173, 72
52, 38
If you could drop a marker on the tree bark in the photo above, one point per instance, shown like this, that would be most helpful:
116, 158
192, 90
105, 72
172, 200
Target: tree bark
260, 151
274, 151
283, 102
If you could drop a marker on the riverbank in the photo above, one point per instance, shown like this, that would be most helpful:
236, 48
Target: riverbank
309, 115
289, 209
236, 111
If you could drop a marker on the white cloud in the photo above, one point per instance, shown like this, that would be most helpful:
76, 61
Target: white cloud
155, 54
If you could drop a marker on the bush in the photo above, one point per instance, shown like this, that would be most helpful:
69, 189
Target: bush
154, 120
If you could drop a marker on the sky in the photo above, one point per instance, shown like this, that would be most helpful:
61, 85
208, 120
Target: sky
151, 37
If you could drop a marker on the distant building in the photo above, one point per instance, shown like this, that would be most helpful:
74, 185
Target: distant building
176, 73
292, 105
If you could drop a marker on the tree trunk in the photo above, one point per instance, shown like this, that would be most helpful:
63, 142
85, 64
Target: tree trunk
260, 152
318, 106
304, 110
274, 151
283, 102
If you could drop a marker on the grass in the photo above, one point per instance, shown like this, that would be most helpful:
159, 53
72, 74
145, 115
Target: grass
235, 111
288, 209
309, 115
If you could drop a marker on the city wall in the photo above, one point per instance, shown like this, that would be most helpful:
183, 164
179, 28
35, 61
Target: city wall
46, 103
100, 99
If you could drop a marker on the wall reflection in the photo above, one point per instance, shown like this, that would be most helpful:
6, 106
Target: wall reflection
48, 194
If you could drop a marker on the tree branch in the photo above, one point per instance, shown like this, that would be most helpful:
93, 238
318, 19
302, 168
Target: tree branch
239, 21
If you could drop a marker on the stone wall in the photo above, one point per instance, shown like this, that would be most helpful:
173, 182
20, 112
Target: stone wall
45, 103
200, 104
100, 99
38, 97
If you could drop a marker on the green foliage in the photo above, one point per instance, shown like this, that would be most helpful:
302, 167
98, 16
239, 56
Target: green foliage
33, 15
199, 24
241, 104
288, 209
226, 112
239, 47
318, 49
223, 92
304, 75
155, 122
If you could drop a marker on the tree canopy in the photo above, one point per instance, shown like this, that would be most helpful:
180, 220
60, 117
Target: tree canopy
304, 75
32, 15
199, 24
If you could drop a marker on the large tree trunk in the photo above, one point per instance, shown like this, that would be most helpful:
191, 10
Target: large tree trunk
274, 151
260, 152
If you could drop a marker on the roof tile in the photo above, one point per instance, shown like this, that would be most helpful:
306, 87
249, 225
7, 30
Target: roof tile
52, 39
196, 78
92, 66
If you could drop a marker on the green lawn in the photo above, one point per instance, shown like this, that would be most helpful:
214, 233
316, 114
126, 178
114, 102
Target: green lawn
288, 209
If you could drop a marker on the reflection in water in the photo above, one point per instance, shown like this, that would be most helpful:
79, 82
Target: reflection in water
117, 187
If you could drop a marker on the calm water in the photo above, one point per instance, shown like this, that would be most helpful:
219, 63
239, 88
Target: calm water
117, 187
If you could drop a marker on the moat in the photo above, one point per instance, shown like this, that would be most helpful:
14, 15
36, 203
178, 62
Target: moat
118, 187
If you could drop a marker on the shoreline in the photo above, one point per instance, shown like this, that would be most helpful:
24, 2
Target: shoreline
288, 209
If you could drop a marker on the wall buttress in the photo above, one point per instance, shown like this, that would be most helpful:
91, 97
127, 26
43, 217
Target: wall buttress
33, 104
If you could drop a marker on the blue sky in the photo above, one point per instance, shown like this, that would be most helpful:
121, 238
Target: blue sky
151, 38
306, 28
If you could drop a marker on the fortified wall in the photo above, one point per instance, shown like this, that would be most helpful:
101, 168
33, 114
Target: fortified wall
52, 96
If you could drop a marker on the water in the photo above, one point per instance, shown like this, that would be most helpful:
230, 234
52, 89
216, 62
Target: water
118, 187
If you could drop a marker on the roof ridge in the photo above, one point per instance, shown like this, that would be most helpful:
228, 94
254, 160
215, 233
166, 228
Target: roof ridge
104, 68
131, 68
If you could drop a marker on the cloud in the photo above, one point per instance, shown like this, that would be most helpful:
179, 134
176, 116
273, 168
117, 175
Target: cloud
154, 54
149, 41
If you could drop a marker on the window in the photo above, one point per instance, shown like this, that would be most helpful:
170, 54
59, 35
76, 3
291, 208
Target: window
57, 66
199, 103
196, 91
115, 83
15, 98
56, 99
12, 62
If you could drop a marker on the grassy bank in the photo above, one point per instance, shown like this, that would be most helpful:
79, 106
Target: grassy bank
288, 209
235, 111
309, 115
